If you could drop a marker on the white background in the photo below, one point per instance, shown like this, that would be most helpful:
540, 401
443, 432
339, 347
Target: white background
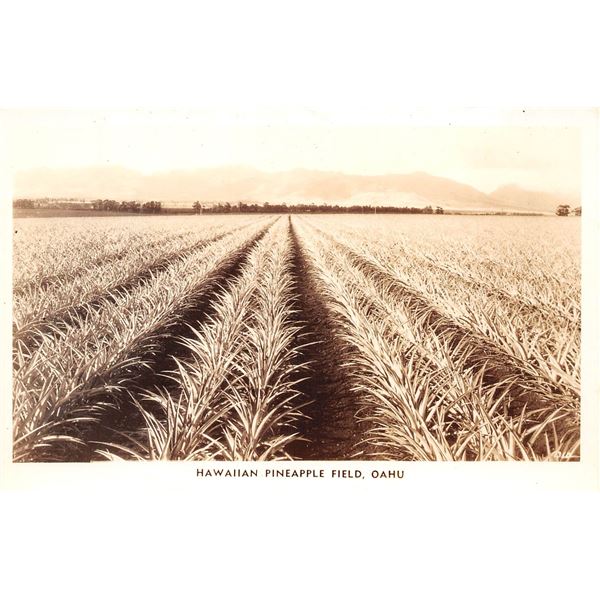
283, 539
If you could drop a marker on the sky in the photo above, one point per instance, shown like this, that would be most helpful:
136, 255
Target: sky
545, 158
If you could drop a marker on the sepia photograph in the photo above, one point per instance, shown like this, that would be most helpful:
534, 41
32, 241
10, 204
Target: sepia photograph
193, 287
299, 300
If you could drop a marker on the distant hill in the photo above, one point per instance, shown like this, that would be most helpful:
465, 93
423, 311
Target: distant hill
239, 183
416, 189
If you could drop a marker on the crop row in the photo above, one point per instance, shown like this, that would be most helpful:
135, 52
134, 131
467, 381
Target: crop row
432, 390
58, 380
400, 340
234, 396
544, 343
47, 251
537, 267
46, 304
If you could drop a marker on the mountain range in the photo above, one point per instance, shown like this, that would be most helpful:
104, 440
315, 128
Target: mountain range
240, 183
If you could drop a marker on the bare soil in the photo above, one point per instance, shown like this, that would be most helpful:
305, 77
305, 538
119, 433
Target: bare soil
332, 430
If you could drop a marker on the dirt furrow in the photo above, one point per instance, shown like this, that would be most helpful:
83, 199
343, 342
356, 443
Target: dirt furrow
332, 430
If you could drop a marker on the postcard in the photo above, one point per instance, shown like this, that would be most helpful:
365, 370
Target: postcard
400, 299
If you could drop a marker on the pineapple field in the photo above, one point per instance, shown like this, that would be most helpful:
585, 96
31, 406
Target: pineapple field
302, 337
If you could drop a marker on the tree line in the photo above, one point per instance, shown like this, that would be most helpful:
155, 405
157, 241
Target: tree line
267, 207
134, 206
127, 206
564, 210
97, 205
